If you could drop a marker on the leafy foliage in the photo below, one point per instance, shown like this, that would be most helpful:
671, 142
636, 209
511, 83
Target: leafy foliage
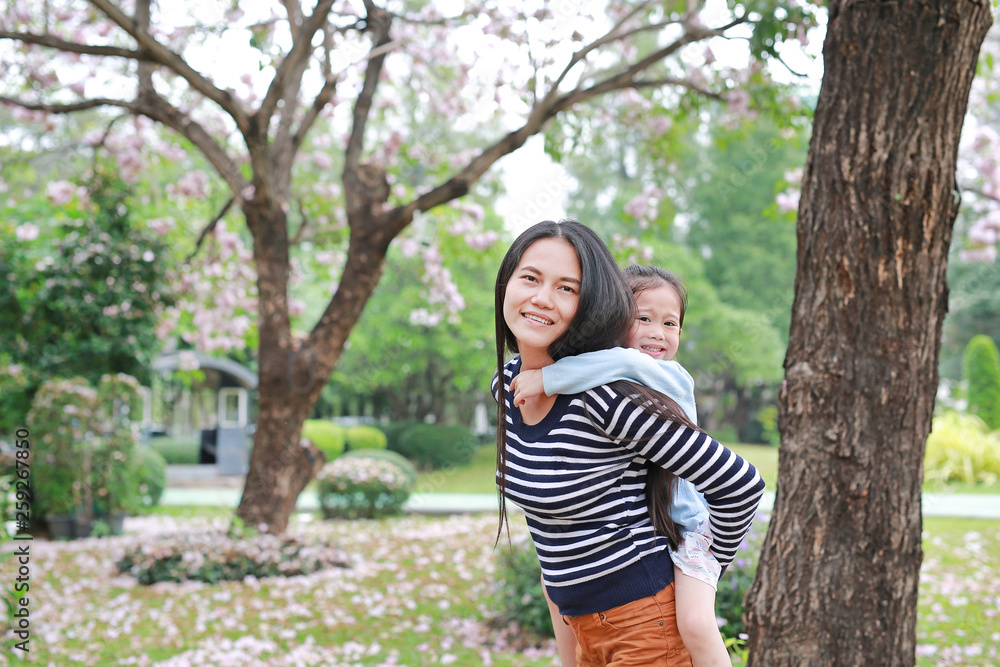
85, 447
518, 596
736, 580
362, 488
961, 448
981, 369
152, 476
89, 308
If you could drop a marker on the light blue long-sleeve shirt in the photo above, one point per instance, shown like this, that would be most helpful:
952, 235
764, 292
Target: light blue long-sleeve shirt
573, 375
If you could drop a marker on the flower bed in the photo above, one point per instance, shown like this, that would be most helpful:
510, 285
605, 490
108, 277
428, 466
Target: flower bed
215, 556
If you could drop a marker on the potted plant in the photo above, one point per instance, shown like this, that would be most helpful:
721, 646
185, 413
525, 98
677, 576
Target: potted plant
114, 474
63, 411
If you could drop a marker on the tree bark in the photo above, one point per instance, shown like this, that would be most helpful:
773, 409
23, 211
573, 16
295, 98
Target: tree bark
838, 576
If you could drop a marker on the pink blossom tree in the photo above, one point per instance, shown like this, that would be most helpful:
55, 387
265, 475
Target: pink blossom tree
409, 106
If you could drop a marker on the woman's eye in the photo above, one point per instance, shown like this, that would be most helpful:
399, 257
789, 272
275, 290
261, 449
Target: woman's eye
568, 289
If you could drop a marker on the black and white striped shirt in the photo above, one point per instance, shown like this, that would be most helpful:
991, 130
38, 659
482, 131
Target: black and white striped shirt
580, 477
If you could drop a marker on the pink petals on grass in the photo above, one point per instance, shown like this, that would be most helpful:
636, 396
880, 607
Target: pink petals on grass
417, 592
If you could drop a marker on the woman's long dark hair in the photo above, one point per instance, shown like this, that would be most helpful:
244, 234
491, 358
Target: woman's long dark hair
604, 317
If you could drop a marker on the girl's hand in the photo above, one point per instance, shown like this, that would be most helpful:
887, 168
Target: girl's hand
527, 384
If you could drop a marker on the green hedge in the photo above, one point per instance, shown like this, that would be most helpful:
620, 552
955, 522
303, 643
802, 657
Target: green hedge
434, 446
329, 437
981, 369
177, 451
393, 431
365, 437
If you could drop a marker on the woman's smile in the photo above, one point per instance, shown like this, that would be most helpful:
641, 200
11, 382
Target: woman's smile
541, 298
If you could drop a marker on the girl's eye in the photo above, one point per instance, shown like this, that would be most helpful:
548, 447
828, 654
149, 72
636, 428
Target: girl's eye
669, 324
643, 318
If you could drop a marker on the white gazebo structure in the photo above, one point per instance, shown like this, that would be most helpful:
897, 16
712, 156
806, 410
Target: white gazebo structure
216, 408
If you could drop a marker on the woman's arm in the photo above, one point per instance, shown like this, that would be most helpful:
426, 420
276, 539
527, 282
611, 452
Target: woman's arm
731, 486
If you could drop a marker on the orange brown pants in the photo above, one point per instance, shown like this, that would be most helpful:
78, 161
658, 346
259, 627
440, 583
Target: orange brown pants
638, 634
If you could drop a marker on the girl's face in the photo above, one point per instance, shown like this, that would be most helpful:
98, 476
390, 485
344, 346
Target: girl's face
657, 331
541, 298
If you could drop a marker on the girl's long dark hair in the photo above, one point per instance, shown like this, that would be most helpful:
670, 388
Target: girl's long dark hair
660, 483
604, 316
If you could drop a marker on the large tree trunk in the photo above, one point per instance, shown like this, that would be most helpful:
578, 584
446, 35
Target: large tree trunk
293, 371
837, 581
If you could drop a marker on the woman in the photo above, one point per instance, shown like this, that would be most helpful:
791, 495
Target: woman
577, 464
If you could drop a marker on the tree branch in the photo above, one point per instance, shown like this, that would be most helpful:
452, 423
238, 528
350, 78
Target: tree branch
981, 193
71, 47
608, 37
683, 83
174, 62
459, 185
209, 228
66, 108
378, 21
291, 67
302, 228
322, 99
158, 109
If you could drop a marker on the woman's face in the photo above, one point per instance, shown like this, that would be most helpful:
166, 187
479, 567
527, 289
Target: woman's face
541, 298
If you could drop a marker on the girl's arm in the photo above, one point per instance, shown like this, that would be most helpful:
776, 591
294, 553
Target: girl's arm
732, 486
577, 374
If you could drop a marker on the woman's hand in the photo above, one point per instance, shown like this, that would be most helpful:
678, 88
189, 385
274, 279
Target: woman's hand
526, 385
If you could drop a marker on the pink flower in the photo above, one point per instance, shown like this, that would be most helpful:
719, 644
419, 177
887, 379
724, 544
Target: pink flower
27, 232
60, 193
788, 200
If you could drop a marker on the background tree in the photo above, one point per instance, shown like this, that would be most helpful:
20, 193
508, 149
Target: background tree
838, 576
89, 308
395, 65
981, 370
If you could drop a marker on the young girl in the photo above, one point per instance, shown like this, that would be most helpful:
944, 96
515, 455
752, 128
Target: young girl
577, 464
662, 302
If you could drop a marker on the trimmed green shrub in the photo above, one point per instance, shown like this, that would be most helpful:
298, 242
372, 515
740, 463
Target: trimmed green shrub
177, 451
394, 431
384, 454
518, 596
961, 448
211, 557
435, 446
329, 437
362, 487
152, 471
981, 369
365, 437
